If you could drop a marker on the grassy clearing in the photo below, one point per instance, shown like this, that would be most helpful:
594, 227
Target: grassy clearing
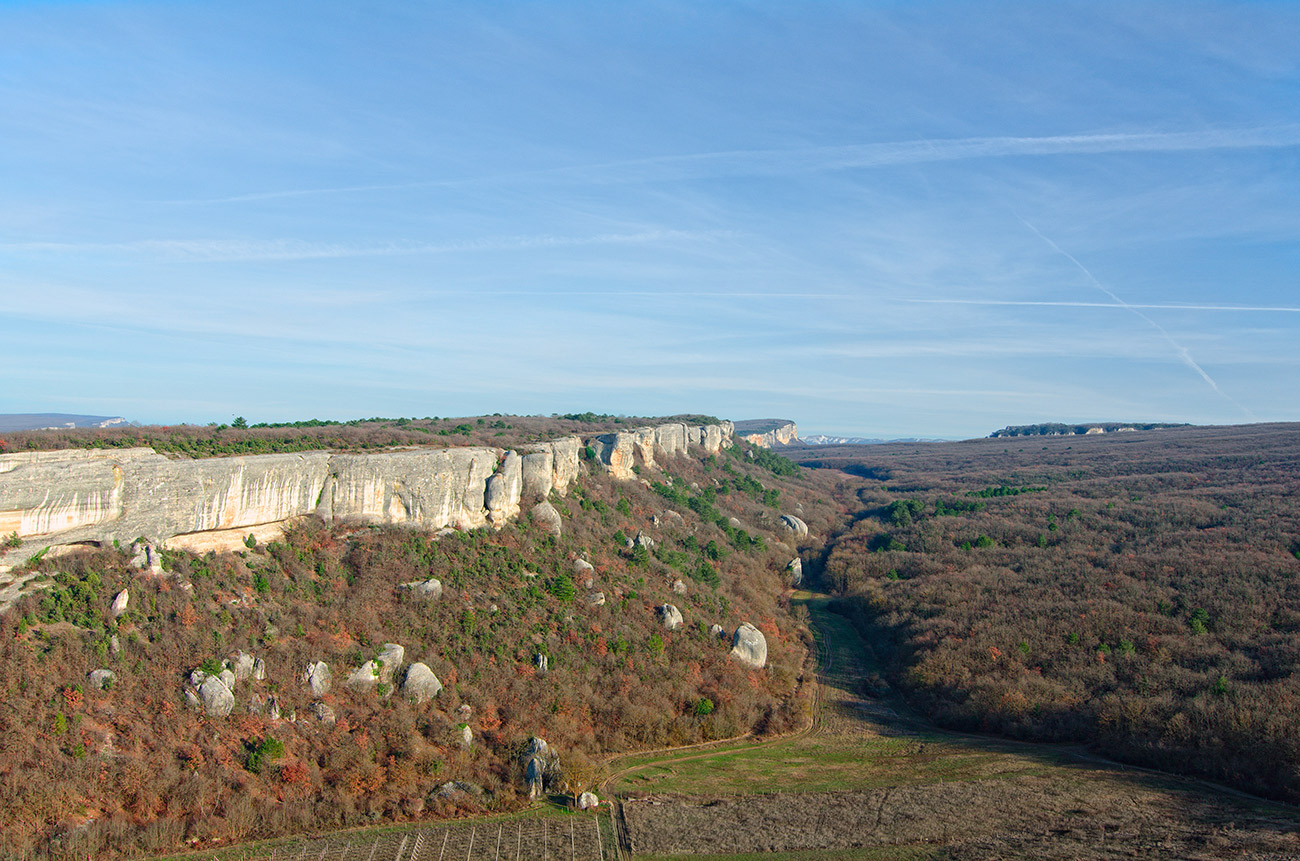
852, 748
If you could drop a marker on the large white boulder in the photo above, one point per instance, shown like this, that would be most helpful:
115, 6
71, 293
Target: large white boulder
749, 646
421, 685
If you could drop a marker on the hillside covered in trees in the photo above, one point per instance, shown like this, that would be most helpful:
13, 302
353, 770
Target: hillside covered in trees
531, 634
1138, 592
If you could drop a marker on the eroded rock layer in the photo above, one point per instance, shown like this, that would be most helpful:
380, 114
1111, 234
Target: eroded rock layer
57, 498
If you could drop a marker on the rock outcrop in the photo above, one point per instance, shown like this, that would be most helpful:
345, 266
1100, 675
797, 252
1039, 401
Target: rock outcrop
101, 496
318, 678
795, 571
749, 646
671, 617
420, 685
501, 497
768, 432
217, 699
101, 680
427, 590
795, 525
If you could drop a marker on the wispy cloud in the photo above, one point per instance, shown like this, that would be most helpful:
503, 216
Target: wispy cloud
296, 249
1182, 352
833, 158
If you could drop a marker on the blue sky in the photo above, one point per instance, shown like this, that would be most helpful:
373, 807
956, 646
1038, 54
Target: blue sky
882, 219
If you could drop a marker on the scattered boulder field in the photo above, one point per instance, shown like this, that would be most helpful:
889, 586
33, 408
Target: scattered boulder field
393, 648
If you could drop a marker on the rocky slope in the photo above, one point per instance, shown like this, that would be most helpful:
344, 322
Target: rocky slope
378, 667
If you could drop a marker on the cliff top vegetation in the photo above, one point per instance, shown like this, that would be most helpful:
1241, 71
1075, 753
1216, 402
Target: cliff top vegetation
369, 434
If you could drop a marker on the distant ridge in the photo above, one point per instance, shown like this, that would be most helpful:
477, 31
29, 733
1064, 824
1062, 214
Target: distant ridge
1058, 429
823, 439
38, 421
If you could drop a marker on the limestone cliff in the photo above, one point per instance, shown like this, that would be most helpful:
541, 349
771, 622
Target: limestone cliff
60, 498
767, 432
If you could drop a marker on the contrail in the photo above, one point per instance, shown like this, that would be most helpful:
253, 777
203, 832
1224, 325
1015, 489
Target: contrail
1164, 306
1182, 351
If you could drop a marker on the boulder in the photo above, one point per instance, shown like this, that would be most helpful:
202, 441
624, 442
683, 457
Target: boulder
323, 713
119, 604
546, 517
673, 518
596, 599
588, 801
390, 661
643, 540
273, 707
364, 676
671, 617
101, 680
428, 590
227, 678
459, 788
795, 570
679, 587
749, 646
735, 523
543, 663
421, 685
317, 676
466, 737
217, 699
259, 670
795, 525
582, 566
716, 630
241, 665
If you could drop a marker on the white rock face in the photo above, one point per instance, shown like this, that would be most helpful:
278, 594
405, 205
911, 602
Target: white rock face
259, 670
119, 604
749, 646
67, 497
671, 617
317, 676
795, 570
421, 685
503, 490
538, 474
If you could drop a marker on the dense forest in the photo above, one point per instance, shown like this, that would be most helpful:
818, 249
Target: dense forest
1138, 592
525, 642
